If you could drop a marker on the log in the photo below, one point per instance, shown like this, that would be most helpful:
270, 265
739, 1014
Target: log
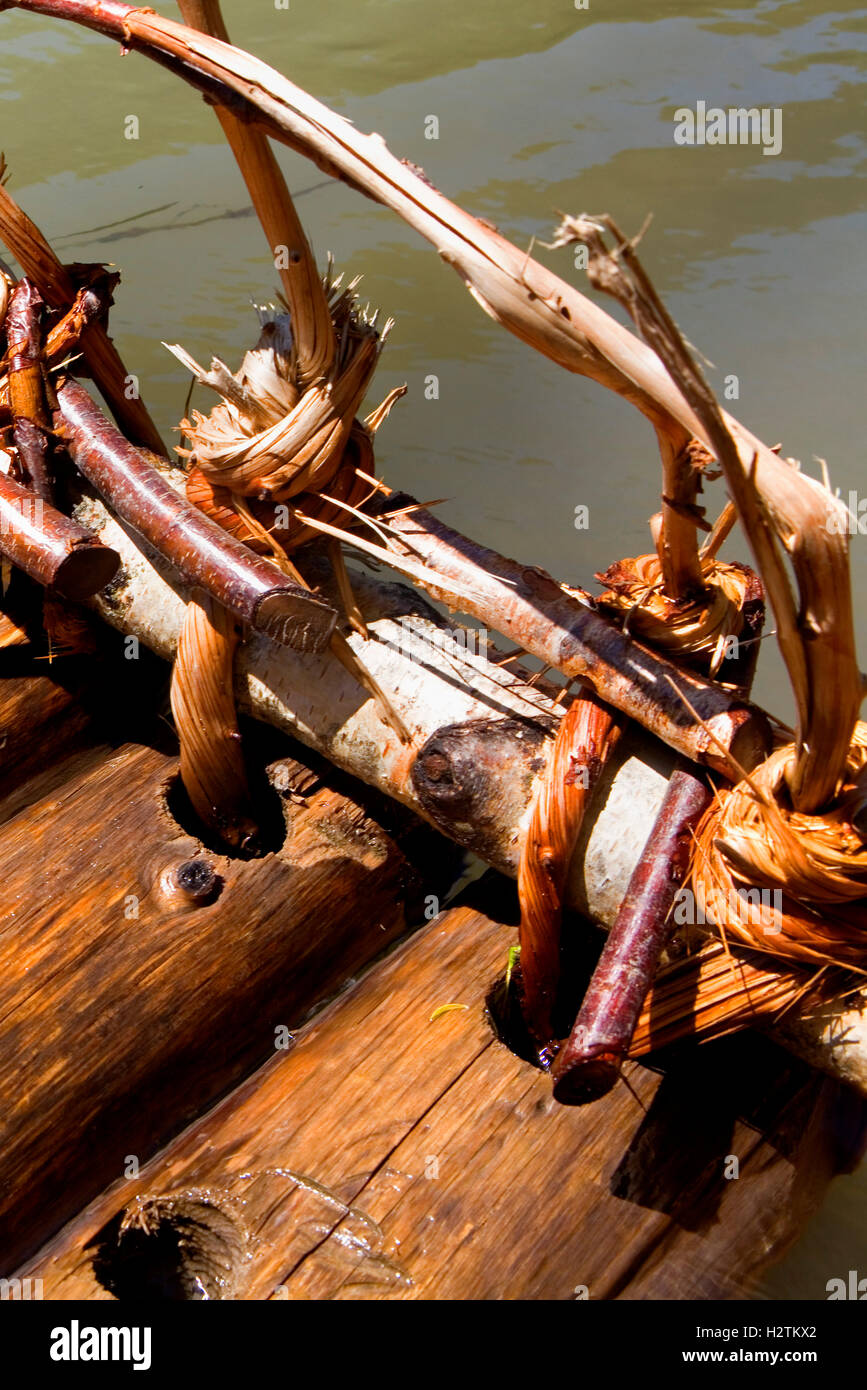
142, 974
480, 738
333, 1174
41, 721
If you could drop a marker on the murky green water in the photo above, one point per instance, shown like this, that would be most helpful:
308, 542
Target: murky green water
540, 107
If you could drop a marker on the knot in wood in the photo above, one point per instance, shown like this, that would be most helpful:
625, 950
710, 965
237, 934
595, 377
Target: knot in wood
197, 880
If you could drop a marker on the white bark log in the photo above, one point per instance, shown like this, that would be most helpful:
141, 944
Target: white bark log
313, 699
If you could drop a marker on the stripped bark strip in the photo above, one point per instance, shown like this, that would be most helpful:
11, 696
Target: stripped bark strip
504, 280
250, 586
586, 736
713, 993
516, 290
39, 263
677, 545
49, 547
203, 707
90, 304
589, 1063
302, 285
526, 605
30, 423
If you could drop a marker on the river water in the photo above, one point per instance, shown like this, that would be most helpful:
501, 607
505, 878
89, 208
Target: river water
539, 107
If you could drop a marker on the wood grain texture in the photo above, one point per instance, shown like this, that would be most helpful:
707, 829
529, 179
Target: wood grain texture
125, 1007
41, 718
390, 1155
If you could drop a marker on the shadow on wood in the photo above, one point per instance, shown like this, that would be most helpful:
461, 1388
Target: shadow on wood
397, 1152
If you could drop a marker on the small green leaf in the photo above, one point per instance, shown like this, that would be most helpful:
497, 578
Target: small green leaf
446, 1009
514, 953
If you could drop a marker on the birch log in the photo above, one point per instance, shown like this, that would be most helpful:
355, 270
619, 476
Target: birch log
479, 740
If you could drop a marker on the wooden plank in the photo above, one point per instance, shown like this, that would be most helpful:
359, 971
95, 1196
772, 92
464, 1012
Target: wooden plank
41, 717
389, 1155
125, 1008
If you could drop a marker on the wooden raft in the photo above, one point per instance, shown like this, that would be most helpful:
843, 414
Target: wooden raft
392, 1155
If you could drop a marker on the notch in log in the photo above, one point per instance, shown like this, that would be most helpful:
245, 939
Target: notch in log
205, 555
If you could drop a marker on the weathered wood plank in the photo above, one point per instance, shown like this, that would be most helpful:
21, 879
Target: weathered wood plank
389, 1155
125, 1006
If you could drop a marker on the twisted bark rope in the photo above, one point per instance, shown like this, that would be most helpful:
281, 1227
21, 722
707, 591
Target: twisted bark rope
697, 629
203, 707
586, 736
306, 298
285, 427
702, 996
271, 441
751, 840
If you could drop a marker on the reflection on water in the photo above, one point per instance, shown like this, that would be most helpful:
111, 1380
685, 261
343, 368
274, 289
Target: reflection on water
540, 107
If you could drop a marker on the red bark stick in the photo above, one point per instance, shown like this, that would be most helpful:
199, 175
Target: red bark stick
589, 1064
249, 586
49, 547
30, 425
526, 605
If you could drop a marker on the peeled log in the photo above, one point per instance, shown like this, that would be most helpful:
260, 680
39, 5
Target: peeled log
479, 738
